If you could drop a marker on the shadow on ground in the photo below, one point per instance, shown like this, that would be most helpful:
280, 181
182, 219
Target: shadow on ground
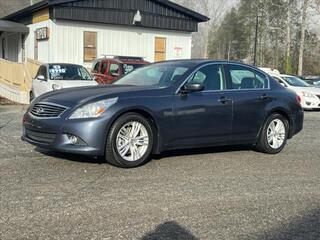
173, 153
72, 157
208, 150
169, 230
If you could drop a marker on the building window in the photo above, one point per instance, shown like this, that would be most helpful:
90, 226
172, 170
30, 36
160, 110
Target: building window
90, 46
160, 49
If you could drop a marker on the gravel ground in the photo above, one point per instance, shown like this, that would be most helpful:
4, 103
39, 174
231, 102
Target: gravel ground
218, 193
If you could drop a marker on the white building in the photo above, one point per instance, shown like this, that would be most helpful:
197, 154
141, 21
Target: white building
79, 31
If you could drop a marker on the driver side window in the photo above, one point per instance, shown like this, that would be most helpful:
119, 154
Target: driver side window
210, 76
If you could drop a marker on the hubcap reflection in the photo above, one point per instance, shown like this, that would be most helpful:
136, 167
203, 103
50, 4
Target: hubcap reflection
132, 141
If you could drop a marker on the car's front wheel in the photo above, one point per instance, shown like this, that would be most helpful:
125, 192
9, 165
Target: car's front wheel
130, 141
274, 135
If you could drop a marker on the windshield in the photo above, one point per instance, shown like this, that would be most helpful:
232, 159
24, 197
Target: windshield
68, 72
161, 75
295, 82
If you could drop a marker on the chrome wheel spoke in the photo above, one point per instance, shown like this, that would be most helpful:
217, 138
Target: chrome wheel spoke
142, 141
123, 150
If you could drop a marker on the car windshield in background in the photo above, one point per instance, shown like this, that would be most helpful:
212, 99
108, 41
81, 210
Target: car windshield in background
127, 68
161, 75
296, 82
68, 72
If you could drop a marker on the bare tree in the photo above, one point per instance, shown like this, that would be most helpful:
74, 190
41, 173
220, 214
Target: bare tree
303, 35
215, 10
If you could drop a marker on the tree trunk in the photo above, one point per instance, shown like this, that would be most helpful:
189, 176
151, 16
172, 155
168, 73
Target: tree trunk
303, 35
288, 62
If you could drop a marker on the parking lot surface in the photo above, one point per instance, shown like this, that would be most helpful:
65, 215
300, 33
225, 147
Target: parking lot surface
216, 193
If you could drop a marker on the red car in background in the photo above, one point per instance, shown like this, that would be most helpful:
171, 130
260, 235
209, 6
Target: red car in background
107, 70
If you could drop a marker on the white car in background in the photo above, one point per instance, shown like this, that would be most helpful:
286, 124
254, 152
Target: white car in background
57, 76
310, 96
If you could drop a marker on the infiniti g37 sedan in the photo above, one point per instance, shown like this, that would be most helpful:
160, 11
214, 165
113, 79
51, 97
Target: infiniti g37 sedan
164, 106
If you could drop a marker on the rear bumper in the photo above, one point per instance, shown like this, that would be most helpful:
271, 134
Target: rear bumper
297, 123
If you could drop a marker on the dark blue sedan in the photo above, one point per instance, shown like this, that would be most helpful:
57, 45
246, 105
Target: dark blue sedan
164, 106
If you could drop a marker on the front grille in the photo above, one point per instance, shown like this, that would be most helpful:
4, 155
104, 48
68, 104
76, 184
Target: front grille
40, 137
47, 110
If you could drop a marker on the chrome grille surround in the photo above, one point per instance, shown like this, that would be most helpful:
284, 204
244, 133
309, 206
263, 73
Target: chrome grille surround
47, 110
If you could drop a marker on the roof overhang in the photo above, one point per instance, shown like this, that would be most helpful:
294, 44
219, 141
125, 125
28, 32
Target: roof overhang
13, 27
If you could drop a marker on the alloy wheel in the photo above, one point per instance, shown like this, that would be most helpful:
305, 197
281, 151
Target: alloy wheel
276, 134
132, 141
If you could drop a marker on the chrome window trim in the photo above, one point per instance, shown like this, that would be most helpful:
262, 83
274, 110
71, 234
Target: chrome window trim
227, 90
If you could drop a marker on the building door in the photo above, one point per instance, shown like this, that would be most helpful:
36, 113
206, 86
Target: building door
160, 49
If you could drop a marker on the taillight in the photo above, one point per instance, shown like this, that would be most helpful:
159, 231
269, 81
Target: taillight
298, 98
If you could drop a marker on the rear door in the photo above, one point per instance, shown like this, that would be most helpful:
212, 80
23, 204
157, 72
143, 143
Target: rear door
250, 92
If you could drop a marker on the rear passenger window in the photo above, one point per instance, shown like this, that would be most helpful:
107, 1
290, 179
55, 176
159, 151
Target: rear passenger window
246, 78
104, 68
210, 76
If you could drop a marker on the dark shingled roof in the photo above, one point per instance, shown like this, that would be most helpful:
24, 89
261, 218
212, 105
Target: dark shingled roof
47, 3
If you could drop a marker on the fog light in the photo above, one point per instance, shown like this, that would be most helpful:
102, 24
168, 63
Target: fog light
73, 139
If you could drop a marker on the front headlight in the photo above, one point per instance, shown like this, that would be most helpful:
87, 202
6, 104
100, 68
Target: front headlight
93, 110
308, 95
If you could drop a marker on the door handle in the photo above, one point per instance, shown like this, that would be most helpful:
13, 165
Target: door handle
224, 100
266, 97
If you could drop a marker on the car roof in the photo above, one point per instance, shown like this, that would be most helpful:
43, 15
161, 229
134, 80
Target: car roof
68, 64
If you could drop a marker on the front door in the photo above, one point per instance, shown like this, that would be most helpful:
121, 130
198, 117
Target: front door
203, 118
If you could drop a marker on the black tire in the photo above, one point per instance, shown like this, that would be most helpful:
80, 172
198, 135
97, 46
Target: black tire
113, 156
263, 144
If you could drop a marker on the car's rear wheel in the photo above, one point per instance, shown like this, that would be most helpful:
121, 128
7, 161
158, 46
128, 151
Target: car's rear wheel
130, 141
274, 135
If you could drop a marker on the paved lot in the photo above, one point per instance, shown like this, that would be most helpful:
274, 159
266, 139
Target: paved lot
217, 193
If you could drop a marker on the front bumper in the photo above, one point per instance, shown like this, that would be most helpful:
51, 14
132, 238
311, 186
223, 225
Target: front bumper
54, 134
310, 103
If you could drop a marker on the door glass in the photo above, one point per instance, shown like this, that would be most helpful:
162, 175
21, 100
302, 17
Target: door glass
42, 72
96, 67
246, 78
211, 77
104, 68
114, 69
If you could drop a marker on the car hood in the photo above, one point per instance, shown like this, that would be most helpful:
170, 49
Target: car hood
73, 96
73, 83
312, 90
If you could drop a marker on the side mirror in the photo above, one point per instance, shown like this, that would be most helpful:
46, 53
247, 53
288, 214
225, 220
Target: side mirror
41, 78
192, 87
283, 85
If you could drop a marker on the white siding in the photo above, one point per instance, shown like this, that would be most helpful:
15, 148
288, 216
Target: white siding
44, 46
66, 42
